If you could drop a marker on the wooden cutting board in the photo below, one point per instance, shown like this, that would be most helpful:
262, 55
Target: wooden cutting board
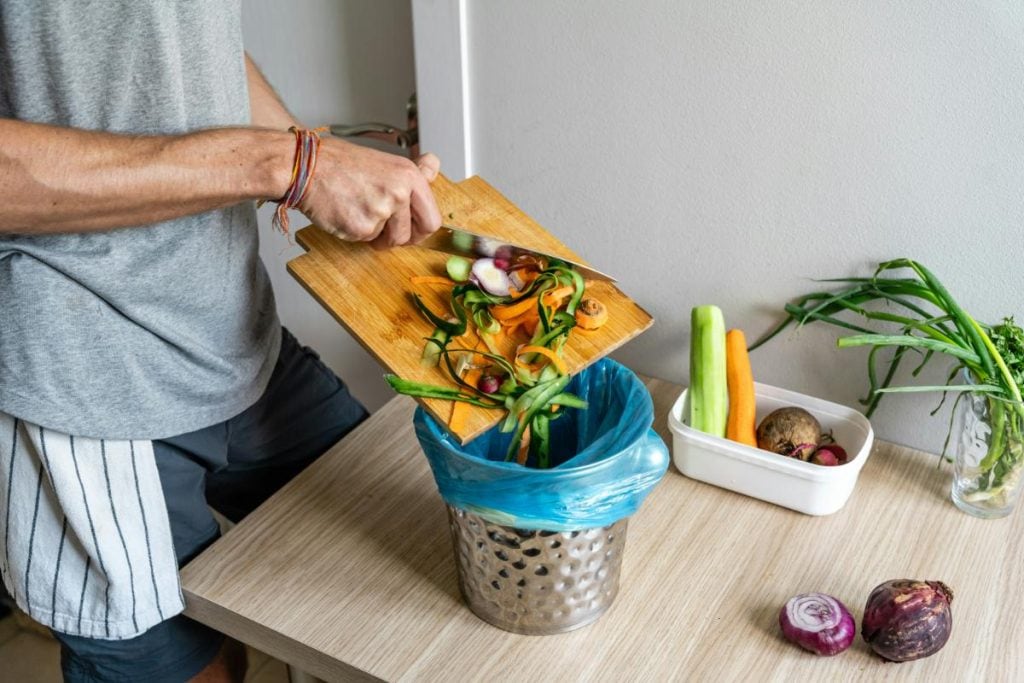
370, 292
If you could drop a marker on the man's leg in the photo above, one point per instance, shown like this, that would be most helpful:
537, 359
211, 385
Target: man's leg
304, 411
179, 648
235, 466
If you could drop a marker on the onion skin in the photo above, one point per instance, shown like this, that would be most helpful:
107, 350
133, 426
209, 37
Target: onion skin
817, 622
905, 619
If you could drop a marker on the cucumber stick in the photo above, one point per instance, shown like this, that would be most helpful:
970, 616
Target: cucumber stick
709, 392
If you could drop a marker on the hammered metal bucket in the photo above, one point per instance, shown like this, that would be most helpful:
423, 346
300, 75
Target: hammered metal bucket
536, 582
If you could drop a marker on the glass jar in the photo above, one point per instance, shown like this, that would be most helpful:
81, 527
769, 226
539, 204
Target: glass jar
989, 433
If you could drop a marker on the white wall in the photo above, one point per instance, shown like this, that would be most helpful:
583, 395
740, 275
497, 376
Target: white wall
727, 152
332, 62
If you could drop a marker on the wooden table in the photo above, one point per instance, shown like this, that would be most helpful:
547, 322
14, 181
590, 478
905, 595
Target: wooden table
347, 573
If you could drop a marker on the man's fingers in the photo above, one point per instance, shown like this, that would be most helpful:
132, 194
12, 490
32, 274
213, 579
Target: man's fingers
429, 166
377, 232
396, 231
358, 191
426, 218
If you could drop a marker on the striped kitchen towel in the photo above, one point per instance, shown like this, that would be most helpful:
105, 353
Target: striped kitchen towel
86, 545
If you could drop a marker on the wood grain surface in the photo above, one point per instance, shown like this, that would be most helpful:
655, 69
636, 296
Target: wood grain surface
369, 292
348, 573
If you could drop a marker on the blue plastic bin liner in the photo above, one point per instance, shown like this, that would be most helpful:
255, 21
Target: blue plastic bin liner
605, 460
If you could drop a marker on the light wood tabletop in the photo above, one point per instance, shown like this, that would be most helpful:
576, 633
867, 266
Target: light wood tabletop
347, 573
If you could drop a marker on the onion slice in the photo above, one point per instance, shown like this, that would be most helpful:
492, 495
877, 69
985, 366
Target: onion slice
817, 622
489, 277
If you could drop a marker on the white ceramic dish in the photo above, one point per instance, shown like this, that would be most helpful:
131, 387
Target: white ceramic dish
789, 482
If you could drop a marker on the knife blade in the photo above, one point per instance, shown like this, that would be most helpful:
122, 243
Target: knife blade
453, 239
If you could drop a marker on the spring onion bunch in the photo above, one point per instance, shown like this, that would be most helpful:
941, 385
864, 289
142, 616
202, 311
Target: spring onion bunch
930, 322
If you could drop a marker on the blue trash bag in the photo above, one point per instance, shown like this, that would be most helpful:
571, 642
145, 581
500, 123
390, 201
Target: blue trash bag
605, 460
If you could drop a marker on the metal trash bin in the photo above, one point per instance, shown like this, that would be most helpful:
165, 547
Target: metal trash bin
536, 582
539, 550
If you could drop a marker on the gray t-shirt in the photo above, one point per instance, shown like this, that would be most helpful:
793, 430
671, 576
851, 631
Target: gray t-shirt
140, 332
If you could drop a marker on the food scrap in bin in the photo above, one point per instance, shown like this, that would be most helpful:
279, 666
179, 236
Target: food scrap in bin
501, 343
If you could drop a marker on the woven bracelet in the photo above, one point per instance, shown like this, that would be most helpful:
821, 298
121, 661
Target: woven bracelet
307, 146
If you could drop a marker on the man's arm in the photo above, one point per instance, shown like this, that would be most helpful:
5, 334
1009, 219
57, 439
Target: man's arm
266, 107
55, 179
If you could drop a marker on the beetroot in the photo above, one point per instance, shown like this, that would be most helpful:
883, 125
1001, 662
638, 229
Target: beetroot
906, 619
789, 431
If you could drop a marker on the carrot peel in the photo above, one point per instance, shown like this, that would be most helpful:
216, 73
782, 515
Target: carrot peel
553, 357
431, 280
509, 311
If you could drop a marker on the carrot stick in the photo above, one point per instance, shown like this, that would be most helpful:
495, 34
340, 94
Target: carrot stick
740, 378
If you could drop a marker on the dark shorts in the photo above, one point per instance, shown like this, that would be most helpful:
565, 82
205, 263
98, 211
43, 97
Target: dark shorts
233, 467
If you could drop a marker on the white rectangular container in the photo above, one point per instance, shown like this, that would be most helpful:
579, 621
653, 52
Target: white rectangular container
789, 482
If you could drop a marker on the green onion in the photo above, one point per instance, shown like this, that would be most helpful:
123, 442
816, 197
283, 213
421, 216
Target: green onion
930, 321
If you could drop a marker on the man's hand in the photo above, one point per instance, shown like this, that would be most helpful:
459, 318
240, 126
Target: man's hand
363, 195
360, 194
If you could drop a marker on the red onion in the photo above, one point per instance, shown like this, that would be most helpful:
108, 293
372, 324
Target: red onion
823, 456
489, 277
831, 454
906, 619
817, 622
489, 384
503, 256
